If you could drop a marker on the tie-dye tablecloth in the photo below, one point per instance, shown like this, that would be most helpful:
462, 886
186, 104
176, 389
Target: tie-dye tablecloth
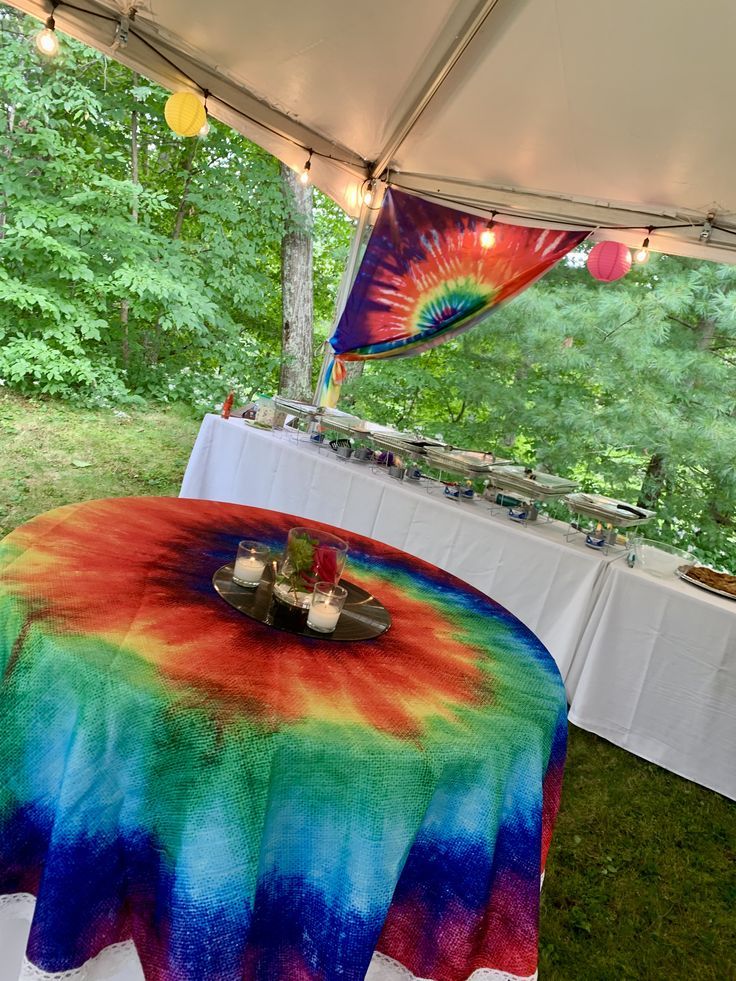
251, 806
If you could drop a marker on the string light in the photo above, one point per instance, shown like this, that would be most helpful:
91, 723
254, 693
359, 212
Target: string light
488, 236
369, 193
641, 255
46, 41
304, 176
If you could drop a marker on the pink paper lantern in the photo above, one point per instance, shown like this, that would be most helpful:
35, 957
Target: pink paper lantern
609, 261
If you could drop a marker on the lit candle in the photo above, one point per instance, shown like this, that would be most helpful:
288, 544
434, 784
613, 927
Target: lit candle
326, 606
248, 570
250, 563
323, 617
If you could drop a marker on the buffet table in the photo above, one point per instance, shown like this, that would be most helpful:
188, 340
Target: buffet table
648, 663
655, 673
189, 794
547, 583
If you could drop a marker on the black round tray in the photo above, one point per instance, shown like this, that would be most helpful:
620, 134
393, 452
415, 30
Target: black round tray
363, 617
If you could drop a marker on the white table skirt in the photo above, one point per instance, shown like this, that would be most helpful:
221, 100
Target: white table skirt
655, 673
548, 583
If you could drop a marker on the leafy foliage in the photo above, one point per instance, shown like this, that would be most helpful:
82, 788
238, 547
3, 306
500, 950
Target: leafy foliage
640, 879
167, 287
113, 289
630, 388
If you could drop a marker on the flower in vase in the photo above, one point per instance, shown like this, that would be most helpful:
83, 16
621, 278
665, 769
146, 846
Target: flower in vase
325, 564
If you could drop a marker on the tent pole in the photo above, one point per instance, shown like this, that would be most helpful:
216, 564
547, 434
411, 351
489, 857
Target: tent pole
346, 283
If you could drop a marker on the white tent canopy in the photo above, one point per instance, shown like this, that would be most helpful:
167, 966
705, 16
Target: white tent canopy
576, 112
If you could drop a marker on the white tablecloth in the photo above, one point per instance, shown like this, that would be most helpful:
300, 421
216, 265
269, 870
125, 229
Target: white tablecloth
655, 673
650, 664
547, 583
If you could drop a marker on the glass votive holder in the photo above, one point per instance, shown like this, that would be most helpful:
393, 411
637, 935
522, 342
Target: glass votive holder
634, 550
328, 600
249, 563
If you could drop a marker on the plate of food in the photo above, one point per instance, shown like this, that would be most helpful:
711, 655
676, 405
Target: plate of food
720, 583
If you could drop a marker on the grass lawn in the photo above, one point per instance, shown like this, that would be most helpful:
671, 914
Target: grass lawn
641, 881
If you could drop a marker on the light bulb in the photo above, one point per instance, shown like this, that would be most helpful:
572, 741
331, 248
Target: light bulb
641, 255
368, 194
488, 238
304, 176
205, 129
46, 40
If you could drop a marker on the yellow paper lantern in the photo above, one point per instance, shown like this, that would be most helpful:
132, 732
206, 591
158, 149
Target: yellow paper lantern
185, 113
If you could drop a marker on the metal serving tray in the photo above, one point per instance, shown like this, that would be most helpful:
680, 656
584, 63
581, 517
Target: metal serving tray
303, 410
608, 510
546, 486
467, 462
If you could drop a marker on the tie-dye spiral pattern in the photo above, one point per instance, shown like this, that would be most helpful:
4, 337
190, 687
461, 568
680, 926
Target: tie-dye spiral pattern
252, 806
426, 276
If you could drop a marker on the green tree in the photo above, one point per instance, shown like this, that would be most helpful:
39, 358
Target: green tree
629, 387
132, 262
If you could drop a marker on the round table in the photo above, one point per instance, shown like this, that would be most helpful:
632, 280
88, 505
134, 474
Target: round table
195, 796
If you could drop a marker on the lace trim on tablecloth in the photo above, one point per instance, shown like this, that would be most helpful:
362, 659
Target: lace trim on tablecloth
18, 899
384, 968
113, 958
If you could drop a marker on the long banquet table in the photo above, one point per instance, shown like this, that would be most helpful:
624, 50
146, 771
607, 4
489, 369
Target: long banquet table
649, 664
190, 795
548, 583
655, 673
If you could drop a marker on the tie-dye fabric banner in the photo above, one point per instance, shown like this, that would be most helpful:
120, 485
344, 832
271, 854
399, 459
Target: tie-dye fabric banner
334, 375
429, 273
248, 805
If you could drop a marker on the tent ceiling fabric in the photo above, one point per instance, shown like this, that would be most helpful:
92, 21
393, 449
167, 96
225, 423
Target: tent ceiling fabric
560, 110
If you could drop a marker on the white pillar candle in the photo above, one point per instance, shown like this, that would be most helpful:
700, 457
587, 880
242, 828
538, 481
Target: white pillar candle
248, 570
323, 617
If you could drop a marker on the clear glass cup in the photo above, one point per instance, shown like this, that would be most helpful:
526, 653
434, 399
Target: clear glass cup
328, 600
634, 550
249, 563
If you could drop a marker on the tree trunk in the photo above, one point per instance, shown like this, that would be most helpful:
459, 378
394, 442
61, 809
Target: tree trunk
714, 507
189, 171
653, 483
152, 338
655, 478
353, 371
7, 152
296, 289
706, 330
125, 303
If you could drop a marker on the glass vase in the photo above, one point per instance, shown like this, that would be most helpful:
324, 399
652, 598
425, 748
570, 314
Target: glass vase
310, 556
